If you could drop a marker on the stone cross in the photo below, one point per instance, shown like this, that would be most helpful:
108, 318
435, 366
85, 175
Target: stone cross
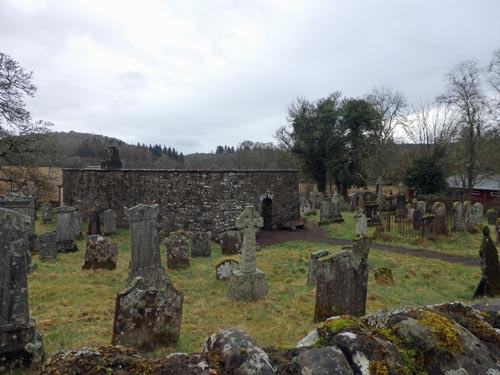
249, 222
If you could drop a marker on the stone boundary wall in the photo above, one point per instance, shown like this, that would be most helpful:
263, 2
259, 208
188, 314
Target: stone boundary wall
188, 199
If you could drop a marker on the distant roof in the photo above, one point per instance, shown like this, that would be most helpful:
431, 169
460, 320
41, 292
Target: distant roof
483, 182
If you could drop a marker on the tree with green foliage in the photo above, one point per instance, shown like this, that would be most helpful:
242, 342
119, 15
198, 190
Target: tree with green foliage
426, 175
22, 145
360, 124
331, 137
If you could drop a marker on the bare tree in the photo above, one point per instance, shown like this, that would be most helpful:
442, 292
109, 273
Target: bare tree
21, 146
431, 125
465, 96
392, 107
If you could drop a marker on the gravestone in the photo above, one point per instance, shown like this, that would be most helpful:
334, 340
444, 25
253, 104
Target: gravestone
302, 199
492, 215
147, 318
68, 226
177, 245
320, 197
477, 214
312, 278
490, 268
20, 345
307, 209
342, 283
361, 222
230, 242
108, 222
200, 244
417, 219
100, 253
325, 212
248, 283
145, 246
94, 226
467, 214
458, 217
422, 206
224, 269
400, 203
383, 275
337, 202
428, 226
440, 227
46, 213
313, 199
46, 246
25, 206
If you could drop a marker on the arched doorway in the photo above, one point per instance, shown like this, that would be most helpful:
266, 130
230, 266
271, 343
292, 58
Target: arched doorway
267, 213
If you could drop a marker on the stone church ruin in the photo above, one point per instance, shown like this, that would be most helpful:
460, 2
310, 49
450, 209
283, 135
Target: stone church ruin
194, 200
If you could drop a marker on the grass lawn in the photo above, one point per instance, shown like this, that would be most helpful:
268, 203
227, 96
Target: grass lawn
75, 308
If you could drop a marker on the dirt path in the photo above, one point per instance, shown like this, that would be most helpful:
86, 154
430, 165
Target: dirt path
316, 234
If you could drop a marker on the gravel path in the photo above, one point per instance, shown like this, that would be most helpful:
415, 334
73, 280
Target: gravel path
316, 234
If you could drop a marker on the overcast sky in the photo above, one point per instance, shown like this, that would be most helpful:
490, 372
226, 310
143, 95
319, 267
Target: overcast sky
195, 74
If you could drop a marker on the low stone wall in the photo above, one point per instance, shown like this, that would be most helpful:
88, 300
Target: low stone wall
189, 199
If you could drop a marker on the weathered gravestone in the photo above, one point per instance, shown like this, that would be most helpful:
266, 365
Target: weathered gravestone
20, 345
325, 212
361, 222
147, 318
224, 269
458, 216
100, 253
108, 222
477, 214
200, 244
145, 246
46, 213
467, 214
439, 222
312, 277
417, 219
230, 242
46, 246
177, 245
313, 199
490, 268
492, 215
400, 204
307, 209
248, 283
422, 206
342, 282
25, 206
383, 275
68, 227
148, 313
94, 226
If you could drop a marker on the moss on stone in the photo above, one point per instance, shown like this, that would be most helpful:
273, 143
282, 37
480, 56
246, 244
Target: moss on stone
378, 368
444, 330
339, 323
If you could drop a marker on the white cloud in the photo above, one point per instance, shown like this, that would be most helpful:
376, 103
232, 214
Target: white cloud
195, 74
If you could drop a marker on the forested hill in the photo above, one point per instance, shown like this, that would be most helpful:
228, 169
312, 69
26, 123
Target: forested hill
78, 150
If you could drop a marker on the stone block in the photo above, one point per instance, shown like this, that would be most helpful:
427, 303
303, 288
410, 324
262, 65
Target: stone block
313, 266
247, 286
46, 246
200, 244
100, 253
177, 245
